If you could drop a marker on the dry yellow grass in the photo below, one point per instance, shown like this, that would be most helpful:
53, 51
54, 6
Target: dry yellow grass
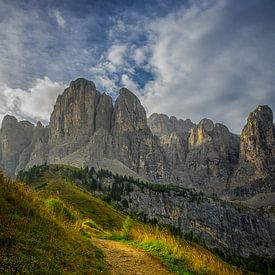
196, 258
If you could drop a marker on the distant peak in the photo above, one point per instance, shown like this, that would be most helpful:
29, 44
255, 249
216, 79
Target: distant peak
9, 120
128, 95
82, 82
263, 109
262, 113
207, 124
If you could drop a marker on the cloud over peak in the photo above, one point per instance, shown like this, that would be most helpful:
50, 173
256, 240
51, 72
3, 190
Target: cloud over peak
210, 58
34, 104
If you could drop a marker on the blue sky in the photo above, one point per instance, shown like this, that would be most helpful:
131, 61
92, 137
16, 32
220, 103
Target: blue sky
192, 59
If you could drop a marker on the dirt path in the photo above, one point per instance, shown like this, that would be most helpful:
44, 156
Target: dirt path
125, 260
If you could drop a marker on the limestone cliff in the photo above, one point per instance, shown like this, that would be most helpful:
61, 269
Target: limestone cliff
225, 226
73, 120
134, 143
86, 129
14, 138
257, 147
173, 136
161, 124
212, 156
37, 151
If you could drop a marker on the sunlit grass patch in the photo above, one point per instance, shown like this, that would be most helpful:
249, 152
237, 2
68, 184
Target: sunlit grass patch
179, 255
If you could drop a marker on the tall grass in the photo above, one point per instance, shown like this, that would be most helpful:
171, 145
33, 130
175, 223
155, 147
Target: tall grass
35, 239
179, 255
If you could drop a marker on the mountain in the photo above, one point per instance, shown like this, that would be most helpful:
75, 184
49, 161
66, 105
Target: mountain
87, 129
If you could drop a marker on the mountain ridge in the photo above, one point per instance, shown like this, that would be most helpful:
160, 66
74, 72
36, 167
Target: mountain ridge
86, 123
86, 129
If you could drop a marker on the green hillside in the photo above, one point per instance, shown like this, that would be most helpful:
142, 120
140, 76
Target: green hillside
66, 183
42, 236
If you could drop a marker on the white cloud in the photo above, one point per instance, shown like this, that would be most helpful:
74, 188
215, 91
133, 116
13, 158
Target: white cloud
34, 104
128, 83
140, 56
116, 54
59, 18
207, 64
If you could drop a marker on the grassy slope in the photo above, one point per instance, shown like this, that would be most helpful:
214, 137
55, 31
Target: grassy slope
180, 256
34, 240
86, 203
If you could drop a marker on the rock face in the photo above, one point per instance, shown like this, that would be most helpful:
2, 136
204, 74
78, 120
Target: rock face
86, 129
36, 153
134, 143
212, 157
202, 156
222, 225
161, 124
73, 120
257, 148
173, 136
14, 138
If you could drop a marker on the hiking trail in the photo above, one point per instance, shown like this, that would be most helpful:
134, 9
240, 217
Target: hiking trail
126, 260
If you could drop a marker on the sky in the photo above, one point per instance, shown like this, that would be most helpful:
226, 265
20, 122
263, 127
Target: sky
192, 59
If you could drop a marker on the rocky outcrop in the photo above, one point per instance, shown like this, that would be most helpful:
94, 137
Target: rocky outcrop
173, 136
212, 156
37, 151
14, 138
253, 182
73, 120
134, 144
202, 156
161, 124
257, 147
86, 129
224, 226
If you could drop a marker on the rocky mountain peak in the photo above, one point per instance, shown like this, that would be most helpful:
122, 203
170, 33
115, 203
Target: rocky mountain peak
9, 121
73, 120
207, 124
82, 83
161, 124
257, 148
201, 133
129, 114
14, 137
39, 125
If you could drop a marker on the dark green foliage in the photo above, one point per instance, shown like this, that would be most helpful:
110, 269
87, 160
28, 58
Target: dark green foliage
32, 174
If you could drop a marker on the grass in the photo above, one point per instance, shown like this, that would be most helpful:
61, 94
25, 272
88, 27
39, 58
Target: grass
40, 236
69, 203
87, 204
180, 256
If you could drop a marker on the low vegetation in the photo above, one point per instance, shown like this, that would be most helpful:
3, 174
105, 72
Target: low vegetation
181, 256
95, 217
42, 236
